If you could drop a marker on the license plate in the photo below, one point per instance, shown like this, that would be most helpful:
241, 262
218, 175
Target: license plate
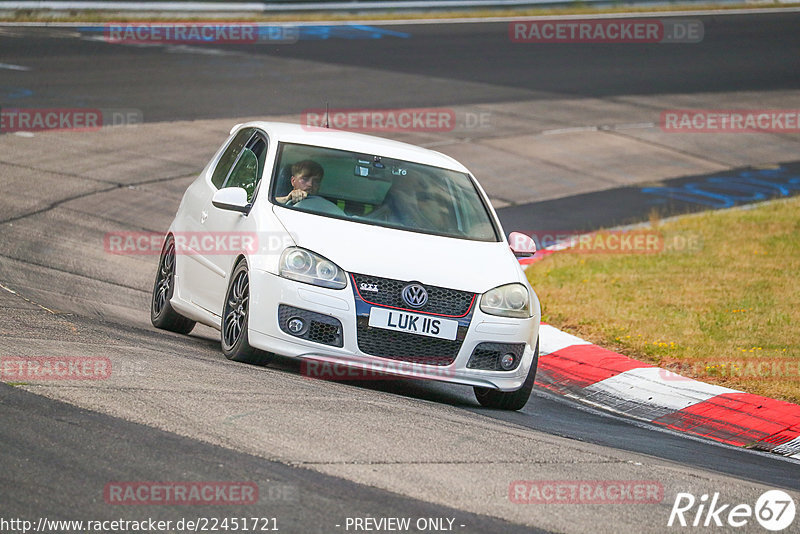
413, 323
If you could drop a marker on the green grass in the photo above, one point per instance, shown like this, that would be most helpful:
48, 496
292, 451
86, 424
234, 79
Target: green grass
721, 303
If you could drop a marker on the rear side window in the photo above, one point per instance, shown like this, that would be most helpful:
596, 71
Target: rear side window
249, 166
229, 156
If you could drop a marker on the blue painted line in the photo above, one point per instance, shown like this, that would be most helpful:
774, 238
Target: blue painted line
350, 31
303, 32
18, 92
728, 191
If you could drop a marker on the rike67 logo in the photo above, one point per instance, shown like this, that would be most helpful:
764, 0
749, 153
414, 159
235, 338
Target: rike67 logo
774, 510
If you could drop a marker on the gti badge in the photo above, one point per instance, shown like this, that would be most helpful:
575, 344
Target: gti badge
368, 287
415, 295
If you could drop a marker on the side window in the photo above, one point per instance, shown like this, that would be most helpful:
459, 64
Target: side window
228, 157
259, 147
245, 173
247, 170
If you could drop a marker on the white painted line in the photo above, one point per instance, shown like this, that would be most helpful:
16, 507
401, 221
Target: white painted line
26, 299
570, 130
789, 447
9, 66
634, 126
602, 128
653, 386
186, 49
552, 339
8, 289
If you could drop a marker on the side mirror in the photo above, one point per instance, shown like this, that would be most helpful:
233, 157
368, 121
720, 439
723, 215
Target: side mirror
522, 245
232, 199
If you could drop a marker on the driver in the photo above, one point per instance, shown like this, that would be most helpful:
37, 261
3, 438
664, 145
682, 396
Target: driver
306, 180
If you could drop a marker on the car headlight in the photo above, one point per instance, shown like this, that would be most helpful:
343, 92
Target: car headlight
305, 266
511, 300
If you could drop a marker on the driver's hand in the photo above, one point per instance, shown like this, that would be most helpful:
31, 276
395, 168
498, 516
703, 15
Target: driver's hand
297, 195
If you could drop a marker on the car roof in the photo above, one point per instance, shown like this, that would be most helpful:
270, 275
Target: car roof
356, 142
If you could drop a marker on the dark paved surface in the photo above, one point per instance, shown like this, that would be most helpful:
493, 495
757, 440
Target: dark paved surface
58, 459
633, 204
762, 46
472, 63
556, 415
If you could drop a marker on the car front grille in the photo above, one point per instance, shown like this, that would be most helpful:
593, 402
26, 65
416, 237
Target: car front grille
441, 300
412, 348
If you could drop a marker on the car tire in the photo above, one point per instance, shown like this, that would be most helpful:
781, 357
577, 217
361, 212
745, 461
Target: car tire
235, 317
162, 314
510, 400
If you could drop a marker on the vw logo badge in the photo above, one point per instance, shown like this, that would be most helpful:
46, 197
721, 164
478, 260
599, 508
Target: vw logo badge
415, 295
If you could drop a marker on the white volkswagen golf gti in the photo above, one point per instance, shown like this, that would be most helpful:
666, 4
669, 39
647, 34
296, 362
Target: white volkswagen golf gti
351, 251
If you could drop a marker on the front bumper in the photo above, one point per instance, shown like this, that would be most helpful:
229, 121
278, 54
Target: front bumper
349, 362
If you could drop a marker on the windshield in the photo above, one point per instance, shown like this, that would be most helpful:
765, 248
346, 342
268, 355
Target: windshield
370, 189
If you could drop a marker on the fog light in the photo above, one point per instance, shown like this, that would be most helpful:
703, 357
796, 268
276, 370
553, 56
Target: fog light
296, 326
507, 361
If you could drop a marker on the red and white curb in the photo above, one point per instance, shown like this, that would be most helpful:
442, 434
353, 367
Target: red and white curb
577, 369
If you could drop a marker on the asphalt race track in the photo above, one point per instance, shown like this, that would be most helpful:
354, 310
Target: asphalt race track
320, 452
422, 65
